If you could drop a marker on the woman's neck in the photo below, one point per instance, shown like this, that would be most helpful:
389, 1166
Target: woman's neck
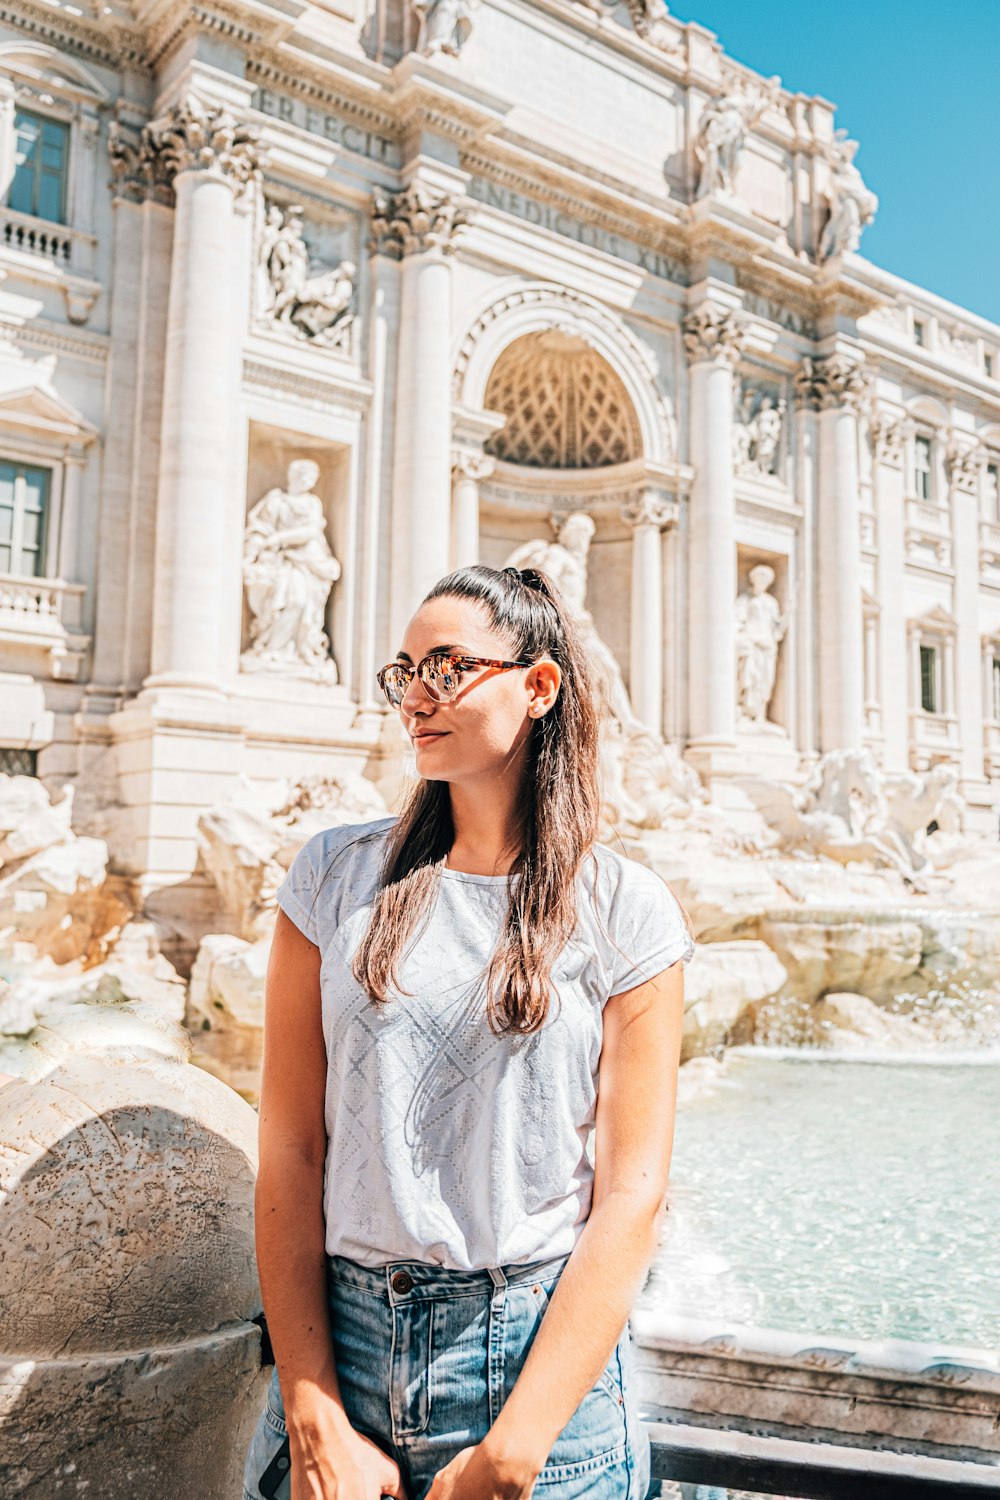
487, 830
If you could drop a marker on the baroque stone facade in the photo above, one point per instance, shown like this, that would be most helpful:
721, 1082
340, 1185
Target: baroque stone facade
350, 238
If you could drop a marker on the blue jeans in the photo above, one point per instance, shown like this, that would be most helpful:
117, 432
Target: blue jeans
427, 1356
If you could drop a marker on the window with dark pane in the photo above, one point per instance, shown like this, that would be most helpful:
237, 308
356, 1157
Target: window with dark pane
14, 761
928, 679
24, 504
922, 468
42, 157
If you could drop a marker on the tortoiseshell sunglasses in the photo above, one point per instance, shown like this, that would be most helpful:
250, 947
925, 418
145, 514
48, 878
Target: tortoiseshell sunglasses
440, 673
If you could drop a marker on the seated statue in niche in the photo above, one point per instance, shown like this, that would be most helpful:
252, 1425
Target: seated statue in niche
645, 780
760, 629
288, 572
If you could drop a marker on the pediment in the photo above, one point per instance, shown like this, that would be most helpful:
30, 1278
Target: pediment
40, 410
45, 67
936, 620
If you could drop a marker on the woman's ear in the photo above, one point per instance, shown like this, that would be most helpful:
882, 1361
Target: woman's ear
542, 682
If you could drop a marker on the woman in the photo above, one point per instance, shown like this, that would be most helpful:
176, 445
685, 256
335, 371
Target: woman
447, 1279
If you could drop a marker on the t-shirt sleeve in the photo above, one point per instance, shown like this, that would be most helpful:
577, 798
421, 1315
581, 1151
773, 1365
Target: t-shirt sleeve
296, 895
648, 928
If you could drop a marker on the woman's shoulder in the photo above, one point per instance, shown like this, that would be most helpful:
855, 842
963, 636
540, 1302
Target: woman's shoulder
624, 887
364, 841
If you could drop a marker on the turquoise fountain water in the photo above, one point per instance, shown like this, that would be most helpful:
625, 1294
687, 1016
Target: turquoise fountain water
851, 1197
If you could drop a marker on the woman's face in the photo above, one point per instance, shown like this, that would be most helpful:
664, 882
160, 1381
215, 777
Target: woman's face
487, 723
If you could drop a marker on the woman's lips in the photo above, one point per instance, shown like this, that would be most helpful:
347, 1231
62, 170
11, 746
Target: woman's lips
429, 735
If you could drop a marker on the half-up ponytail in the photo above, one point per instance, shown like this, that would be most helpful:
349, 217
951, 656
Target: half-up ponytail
561, 808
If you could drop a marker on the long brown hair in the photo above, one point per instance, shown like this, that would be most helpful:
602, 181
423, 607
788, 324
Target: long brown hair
560, 813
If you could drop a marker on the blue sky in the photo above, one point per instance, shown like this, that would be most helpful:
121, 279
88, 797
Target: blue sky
917, 82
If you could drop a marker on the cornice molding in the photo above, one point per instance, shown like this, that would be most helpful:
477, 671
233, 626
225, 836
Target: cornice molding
91, 348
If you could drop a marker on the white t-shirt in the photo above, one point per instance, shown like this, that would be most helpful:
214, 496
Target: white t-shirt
446, 1143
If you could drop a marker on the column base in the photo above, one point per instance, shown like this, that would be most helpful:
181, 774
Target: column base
767, 752
714, 756
178, 752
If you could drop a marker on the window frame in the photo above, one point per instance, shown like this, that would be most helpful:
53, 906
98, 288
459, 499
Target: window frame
43, 551
930, 649
44, 118
923, 442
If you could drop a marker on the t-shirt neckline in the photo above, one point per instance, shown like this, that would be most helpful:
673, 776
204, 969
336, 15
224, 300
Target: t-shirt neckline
449, 874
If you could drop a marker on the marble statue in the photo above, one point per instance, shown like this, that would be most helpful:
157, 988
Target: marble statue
743, 432
766, 433
645, 779
852, 204
312, 305
760, 629
850, 811
446, 25
288, 570
565, 561
722, 131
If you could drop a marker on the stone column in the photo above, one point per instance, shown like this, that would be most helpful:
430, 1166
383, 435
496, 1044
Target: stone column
142, 230
888, 433
647, 514
198, 527
68, 562
963, 460
836, 386
804, 623
713, 340
467, 471
418, 226
8, 135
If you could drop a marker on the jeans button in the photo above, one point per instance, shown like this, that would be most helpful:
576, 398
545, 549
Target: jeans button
402, 1281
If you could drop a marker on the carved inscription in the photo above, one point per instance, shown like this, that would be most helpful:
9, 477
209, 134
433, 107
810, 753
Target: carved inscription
331, 127
494, 195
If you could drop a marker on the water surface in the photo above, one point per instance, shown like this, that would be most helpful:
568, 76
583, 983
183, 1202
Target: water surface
858, 1198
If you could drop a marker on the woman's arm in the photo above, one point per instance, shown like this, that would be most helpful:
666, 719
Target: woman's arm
589, 1307
290, 1228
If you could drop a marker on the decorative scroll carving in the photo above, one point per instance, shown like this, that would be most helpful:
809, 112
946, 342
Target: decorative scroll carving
836, 380
649, 508
964, 458
888, 434
468, 465
414, 220
712, 332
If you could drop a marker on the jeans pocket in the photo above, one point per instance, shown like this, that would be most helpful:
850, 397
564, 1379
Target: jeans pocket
264, 1455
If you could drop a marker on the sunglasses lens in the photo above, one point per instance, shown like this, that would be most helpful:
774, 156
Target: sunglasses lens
441, 677
395, 681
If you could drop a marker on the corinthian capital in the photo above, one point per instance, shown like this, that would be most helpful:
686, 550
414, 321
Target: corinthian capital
648, 508
195, 138
963, 460
836, 380
712, 332
888, 432
414, 220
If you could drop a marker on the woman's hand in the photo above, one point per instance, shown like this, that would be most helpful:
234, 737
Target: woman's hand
477, 1474
330, 1464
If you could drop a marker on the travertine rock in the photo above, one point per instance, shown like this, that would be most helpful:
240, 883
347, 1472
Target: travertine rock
128, 1364
720, 983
